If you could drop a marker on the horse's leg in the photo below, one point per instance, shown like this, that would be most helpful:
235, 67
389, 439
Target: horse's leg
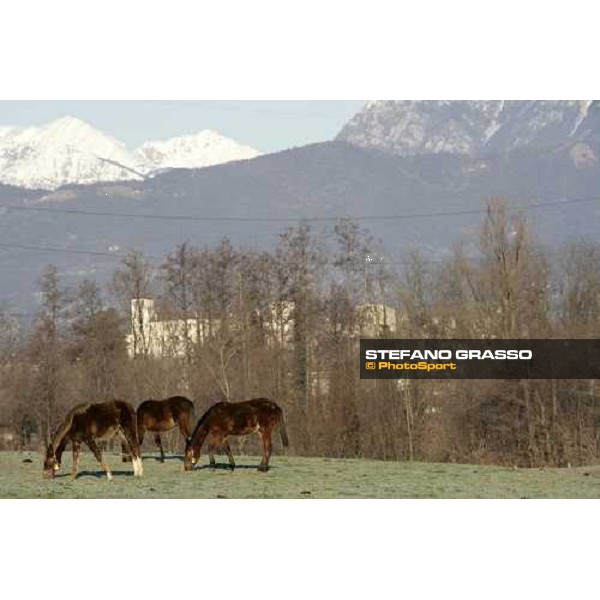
76, 448
185, 427
129, 433
160, 447
59, 452
94, 448
211, 454
125, 453
229, 455
141, 430
267, 447
138, 439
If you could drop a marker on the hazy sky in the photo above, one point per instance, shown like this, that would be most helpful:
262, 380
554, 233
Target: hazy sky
266, 125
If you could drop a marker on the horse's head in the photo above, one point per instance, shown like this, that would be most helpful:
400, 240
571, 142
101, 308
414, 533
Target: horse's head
190, 457
51, 464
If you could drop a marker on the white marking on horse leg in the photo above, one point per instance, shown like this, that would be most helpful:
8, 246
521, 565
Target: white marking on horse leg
107, 470
138, 469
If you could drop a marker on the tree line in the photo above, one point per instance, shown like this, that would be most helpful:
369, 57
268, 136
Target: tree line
286, 324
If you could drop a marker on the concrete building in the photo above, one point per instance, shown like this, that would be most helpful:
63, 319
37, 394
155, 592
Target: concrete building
377, 320
151, 336
280, 322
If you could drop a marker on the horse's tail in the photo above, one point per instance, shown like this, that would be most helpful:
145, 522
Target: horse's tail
187, 420
131, 423
126, 417
282, 430
140, 415
192, 413
129, 426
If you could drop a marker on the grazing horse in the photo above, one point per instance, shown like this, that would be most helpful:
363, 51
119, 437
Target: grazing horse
162, 415
87, 423
235, 418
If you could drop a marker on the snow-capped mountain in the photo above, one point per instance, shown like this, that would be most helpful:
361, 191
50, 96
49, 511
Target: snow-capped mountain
472, 127
325, 181
64, 151
203, 149
70, 151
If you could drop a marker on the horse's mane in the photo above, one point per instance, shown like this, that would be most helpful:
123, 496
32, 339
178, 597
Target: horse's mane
201, 423
64, 427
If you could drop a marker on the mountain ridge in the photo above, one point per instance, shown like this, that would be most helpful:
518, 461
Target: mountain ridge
70, 151
253, 201
475, 128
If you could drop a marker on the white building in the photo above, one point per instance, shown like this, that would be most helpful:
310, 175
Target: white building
151, 336
377, 319
280, 322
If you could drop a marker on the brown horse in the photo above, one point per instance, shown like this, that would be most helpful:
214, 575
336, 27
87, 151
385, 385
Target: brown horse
87, 423
235, 418
162, 415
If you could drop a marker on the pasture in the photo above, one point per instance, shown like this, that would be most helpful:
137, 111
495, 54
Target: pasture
292, 477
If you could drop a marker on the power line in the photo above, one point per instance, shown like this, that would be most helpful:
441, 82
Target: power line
17, 315
114, 255
367, 261
389, 217
69, 250
454, 259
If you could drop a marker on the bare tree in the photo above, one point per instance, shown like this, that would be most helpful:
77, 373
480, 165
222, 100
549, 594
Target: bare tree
131, 284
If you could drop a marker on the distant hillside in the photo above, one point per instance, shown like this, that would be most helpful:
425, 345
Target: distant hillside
474, 127
317, 181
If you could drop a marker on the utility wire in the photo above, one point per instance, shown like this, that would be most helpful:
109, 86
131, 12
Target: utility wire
114, 255
368, 261
389, 217
69, 250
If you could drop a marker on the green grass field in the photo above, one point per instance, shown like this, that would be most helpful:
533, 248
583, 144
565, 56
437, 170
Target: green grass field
293, 477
